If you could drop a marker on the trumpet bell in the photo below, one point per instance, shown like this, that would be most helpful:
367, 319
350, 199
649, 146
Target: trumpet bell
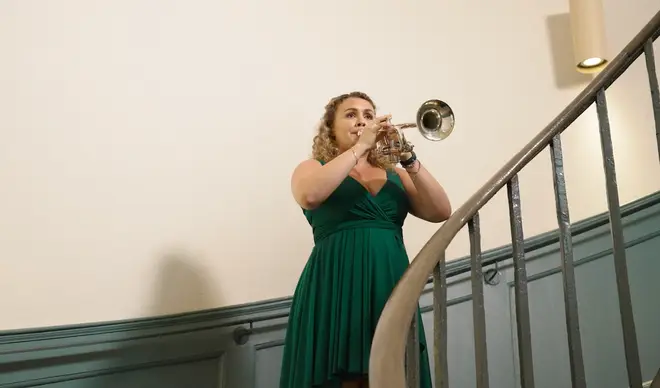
435, 120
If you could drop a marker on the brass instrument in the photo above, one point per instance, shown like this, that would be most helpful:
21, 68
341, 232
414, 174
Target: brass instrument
435, 121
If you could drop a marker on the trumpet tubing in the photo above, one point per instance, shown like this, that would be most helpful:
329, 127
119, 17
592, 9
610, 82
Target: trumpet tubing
435, 121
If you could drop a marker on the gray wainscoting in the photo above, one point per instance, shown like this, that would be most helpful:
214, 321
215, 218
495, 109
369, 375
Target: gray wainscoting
241, 346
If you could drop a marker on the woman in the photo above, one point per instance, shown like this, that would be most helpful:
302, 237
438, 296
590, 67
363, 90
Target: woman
356, 204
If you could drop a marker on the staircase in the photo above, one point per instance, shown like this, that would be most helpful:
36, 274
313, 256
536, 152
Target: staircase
656, 381
391, 366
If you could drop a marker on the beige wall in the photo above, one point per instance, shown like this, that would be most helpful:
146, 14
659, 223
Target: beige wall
146, 146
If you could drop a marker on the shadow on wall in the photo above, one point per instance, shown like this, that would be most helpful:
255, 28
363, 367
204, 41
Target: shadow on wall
561, 51
182, 285
167, 356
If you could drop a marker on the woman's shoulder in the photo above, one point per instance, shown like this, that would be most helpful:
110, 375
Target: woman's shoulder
310, 163
306, 166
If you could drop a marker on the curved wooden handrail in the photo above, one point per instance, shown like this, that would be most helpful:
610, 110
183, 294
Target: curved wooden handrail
386, 366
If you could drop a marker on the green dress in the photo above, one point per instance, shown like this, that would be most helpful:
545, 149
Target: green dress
358, 257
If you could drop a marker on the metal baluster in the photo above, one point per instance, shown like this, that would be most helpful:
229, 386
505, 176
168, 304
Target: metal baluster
618, 246
653, 83
440, 323
655, 383
568, 271
523, 325
478, 310
412, 355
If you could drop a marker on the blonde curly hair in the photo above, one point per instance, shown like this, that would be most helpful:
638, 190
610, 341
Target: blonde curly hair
325, 144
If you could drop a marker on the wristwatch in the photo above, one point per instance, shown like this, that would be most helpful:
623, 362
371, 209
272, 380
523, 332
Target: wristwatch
410, 161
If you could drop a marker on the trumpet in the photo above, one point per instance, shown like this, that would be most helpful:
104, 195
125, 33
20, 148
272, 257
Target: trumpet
435, 121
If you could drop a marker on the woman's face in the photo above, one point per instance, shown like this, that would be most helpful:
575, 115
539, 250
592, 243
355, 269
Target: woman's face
351, 115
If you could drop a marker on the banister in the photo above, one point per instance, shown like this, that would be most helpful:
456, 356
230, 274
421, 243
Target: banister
386, 367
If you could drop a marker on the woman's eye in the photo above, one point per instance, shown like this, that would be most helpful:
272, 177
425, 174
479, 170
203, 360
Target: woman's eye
351, 114
369, 117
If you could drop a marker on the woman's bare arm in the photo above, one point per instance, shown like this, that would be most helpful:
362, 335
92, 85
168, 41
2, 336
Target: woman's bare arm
428, 199
312, 183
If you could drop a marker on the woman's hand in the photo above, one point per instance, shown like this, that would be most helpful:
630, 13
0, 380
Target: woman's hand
369, 135
405, 156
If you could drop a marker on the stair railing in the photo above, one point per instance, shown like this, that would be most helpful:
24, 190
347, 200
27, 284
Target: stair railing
387, 368
656, 381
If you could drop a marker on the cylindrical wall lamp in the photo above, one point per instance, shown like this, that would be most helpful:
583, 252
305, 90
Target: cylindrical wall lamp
588, 29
